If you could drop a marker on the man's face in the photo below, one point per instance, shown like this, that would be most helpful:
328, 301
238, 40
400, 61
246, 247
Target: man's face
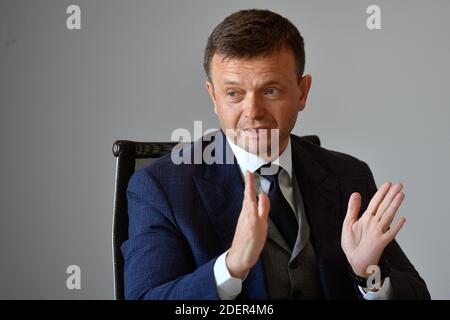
257, 93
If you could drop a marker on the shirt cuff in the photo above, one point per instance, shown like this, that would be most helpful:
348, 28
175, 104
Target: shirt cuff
384, 293
228, 287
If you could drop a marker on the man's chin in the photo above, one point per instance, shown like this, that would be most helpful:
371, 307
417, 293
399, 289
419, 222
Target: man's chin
256, 146
257, 142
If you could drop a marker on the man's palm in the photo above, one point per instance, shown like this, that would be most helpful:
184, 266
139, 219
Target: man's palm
363, 240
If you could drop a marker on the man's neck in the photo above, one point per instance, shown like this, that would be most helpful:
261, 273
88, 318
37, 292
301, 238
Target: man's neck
251, 162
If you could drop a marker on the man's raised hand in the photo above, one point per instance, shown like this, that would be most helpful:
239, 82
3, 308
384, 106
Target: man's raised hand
363, 240
251, 231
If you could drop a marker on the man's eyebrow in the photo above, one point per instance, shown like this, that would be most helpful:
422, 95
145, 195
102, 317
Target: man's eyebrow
268, 83
231, 82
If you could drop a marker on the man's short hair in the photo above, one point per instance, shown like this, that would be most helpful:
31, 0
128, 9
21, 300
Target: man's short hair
253, 33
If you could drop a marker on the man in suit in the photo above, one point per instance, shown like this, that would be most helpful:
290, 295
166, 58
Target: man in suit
312, 228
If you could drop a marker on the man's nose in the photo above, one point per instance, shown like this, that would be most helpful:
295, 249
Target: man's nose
252, 107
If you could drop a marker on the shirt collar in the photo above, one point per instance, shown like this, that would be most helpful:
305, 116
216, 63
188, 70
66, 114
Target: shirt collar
251, 162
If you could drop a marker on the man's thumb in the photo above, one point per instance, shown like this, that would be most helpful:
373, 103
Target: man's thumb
354, 205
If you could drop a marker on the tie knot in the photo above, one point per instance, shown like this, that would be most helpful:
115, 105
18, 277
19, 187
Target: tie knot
269, 171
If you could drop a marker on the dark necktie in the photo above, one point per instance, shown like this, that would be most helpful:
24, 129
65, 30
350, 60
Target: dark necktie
281, 212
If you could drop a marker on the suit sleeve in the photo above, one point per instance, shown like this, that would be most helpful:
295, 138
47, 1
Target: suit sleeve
405, 281
158, 260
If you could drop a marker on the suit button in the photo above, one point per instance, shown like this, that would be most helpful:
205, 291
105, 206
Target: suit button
294, 264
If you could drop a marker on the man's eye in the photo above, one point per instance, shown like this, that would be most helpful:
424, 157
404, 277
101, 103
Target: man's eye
272, 91
232, 94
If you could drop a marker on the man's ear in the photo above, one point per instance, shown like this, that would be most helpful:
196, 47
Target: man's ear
304, 86
210, 88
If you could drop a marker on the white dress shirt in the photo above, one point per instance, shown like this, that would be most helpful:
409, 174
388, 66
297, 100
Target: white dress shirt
229, 287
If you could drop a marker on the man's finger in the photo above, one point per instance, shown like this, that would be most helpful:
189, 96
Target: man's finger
390, 213
263, 205
354, 205
378, 197
249, 192
386, 203
392, 232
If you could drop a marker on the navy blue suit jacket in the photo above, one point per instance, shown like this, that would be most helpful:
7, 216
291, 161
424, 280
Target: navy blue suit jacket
182, 217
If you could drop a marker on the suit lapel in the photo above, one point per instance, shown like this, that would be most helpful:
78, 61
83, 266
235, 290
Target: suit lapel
321, 196
318, 189
221, 190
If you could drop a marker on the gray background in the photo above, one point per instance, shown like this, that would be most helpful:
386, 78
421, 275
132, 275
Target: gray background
134, 71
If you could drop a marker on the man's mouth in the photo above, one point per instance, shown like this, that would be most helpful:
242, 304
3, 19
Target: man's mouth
256, 131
